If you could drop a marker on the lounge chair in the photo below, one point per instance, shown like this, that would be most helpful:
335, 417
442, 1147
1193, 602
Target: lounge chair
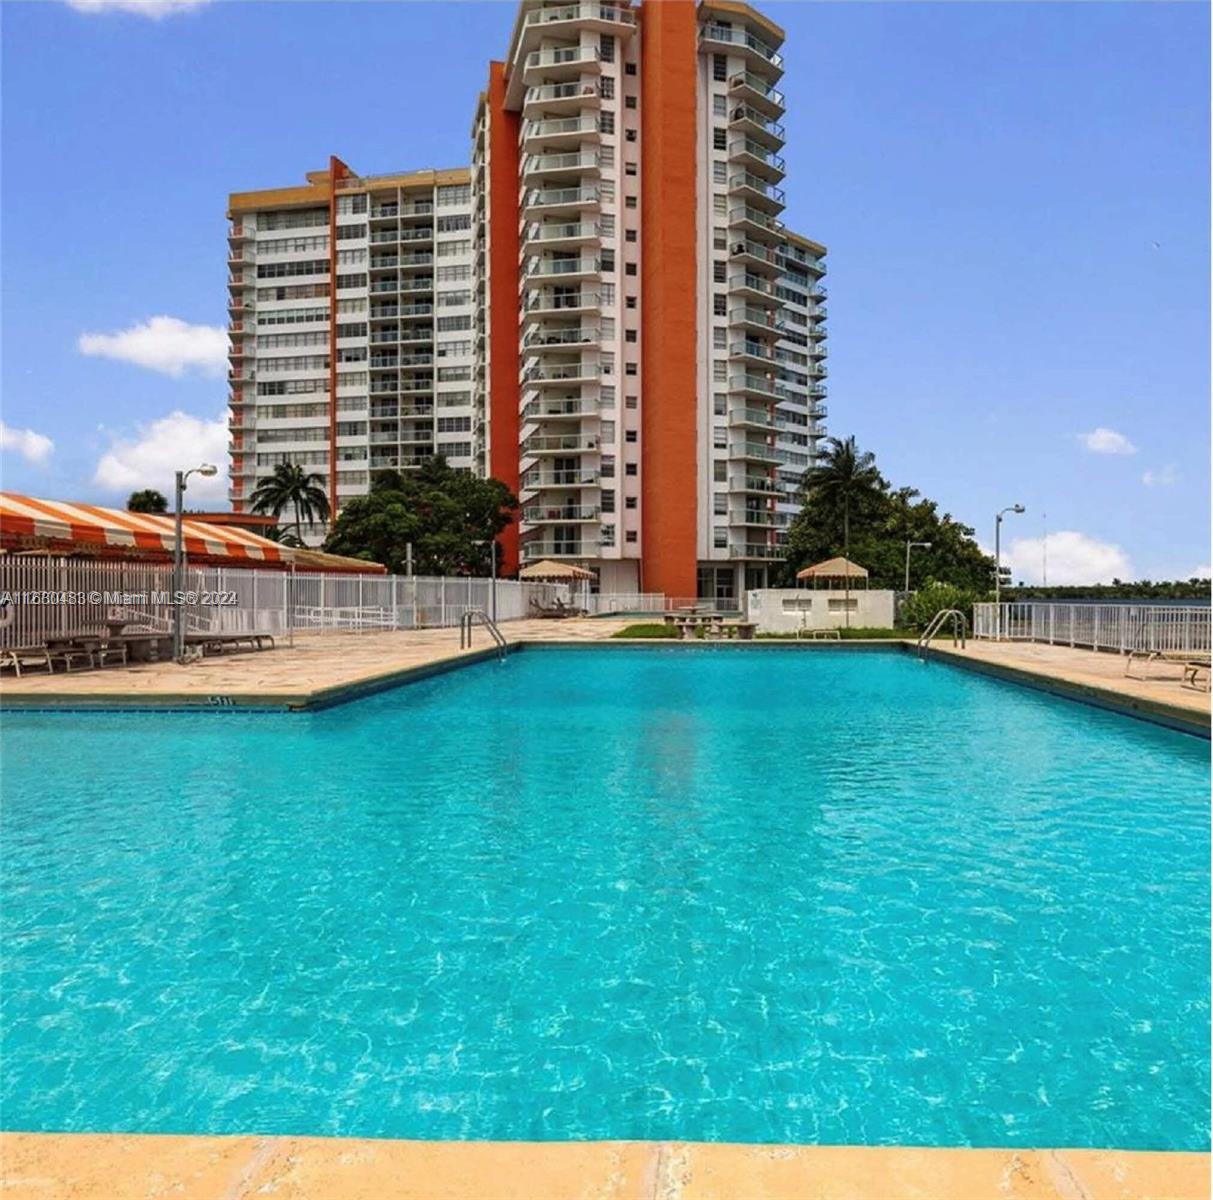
25, 656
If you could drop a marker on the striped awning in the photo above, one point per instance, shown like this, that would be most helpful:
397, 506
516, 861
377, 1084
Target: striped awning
64, 528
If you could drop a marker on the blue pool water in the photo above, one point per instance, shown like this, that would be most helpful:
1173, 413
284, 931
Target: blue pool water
730, 895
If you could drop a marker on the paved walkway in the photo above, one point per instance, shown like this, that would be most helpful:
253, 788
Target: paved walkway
122, 1167
315, 662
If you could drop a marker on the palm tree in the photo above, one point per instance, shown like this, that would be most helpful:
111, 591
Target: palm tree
844, 474
847, 474
290, 486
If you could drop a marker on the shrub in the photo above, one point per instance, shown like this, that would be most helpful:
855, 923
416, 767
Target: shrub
918, 608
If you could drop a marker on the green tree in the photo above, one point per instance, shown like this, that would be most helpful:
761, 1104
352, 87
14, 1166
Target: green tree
845, 478
290, 486
147, 501
449, 517
882, 520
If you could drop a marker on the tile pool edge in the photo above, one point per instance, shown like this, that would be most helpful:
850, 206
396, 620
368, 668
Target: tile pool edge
240, 1167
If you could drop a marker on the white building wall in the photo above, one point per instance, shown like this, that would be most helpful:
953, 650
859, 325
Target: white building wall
786, 610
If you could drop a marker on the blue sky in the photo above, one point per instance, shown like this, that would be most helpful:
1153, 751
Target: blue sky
1015, 197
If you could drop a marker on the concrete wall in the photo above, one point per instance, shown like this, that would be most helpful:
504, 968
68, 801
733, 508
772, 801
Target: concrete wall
785, 610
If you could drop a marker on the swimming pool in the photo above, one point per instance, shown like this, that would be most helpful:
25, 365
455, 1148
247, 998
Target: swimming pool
734, 895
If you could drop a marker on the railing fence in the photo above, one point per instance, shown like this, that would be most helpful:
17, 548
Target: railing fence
62, 598
1118, 627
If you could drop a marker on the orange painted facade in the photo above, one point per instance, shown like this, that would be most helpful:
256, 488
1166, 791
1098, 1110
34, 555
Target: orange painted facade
503, 331
669, 290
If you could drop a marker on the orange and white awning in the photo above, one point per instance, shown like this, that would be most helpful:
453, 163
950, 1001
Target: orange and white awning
65, 528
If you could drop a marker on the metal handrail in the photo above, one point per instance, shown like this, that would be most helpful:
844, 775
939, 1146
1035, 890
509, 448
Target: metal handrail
471, 617
959, 628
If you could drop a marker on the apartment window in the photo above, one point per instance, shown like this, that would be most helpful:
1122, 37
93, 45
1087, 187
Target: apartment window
351, 281
454, 374
453, 224
720, 205
720, 240
453, 249
629, 268
629, 135
607, 431
629, 102
720, 139
606, 48
629, 168
454, 193
720, 370
720, 172
720, 68
631, 435
630, 202
631, 469
606, 122
449, 274
608, 466
720, 505
608, 224
720, 406
608, 294
458, 449
608, 328
720, 538
630, 369
632, 402
606, 396
277, 270
630, 302
608, 364
720, 471
452, 324
350, 258
720, 438
606, 190
629, 335
608, 262
606, 87
453, 399
629, 235
454, 424
630, 536
719, 337
348, 206
454, 349
720, 306
720, 106
719, 271
353, 329
608, 500
450, 299
629, 68
347, 233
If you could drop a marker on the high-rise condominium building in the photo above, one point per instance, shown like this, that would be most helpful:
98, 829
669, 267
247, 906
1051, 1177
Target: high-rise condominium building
606, 312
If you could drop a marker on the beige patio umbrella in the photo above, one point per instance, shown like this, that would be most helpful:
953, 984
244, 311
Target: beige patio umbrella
548, 571
834, 569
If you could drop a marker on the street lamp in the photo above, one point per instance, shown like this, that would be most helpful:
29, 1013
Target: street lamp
1011, 508
910, 546
206, 469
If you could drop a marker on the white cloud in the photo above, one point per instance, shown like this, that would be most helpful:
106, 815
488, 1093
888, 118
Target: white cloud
1074, 558
33, 447
151, 458
165, 344
1106, 441
154, 9
1204, 571
1164, 478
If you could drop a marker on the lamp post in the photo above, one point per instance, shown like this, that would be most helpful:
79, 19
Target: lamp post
1011, 508
208, 470
910, 546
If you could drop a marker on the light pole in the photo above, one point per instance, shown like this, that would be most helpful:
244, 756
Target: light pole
910, 546
208, 470
1011, 508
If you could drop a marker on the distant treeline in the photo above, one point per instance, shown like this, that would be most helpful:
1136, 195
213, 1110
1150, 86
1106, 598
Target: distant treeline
1176, 589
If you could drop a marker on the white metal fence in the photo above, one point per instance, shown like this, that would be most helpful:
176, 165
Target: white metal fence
61, 597
1118, 627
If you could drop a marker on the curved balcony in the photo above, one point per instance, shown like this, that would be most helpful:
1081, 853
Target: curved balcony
753, 124
760, 419
757, 552
545, 303
560, 97
558, 444
560, 514
758, 387
758, 54
756, 485
756, 223
561, 200
560, 410
755, 257
565, 270
752, 156
567, 234
559, 132
752, 288
547, 166
756, 191
541, 548
560, 64
600, 18
767, 321
538, 480
757, 92
754, 354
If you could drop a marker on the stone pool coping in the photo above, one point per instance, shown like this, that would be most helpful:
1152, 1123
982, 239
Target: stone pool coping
47, 1166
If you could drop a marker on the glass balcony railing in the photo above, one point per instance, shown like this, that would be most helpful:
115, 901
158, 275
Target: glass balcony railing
743, 38
581, 12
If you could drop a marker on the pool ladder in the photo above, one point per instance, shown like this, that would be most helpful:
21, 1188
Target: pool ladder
937, 622
478, 615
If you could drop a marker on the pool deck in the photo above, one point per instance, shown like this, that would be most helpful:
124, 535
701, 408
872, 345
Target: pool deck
327, 668
142, 1167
